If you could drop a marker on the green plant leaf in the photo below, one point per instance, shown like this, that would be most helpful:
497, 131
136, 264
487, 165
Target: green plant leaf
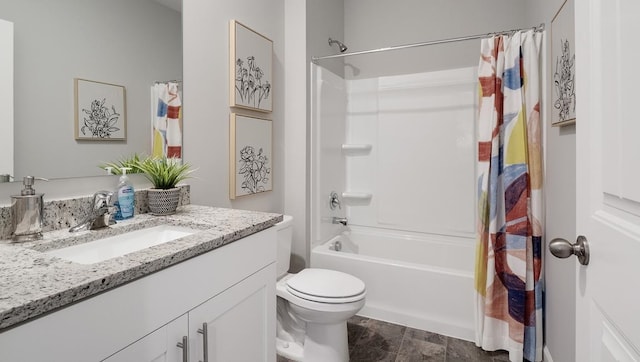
164, 173
130, 162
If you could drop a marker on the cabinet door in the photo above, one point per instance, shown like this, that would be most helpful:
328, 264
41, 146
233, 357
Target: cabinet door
158, 346
238, 324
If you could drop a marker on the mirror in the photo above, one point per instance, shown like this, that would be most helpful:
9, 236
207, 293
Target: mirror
122, 42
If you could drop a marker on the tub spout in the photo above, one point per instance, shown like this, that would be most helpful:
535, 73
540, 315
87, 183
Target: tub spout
339, 220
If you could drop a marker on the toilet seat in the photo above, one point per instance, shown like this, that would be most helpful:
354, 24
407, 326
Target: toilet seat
326, 286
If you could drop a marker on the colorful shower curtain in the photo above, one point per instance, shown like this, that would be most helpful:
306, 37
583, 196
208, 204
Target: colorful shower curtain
166, 113
508, 276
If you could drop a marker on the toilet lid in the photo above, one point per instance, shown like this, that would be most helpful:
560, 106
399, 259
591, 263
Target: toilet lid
328, 286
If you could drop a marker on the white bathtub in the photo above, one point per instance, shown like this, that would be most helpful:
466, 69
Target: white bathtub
418, 281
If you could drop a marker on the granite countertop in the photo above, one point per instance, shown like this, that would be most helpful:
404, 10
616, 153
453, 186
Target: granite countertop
33, 283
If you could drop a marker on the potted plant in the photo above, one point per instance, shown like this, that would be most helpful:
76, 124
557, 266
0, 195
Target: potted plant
130, 162
164, 173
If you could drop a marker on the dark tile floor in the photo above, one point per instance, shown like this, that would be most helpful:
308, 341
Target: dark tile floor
372, 340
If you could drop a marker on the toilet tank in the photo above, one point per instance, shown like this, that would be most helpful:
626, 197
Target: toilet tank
284, 229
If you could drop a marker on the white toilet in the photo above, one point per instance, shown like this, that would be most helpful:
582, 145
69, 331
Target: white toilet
313, 307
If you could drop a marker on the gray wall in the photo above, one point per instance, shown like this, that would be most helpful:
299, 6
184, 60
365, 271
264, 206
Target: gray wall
129, 43
296, 197
560, 201
376, 24
206, 97
325, 19
308, 25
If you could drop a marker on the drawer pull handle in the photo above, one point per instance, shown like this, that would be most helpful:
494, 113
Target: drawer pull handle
185, 348
205, 338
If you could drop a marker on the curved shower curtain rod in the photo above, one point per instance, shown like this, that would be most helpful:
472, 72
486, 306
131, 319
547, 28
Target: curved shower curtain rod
434, 42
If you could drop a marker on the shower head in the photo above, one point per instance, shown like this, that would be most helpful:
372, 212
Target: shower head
343, 48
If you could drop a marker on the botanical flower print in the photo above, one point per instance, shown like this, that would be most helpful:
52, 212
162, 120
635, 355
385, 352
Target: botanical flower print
254, 168
101, 121
564, 81
250, 87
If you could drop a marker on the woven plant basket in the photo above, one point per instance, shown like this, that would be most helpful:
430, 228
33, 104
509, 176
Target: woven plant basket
163, 202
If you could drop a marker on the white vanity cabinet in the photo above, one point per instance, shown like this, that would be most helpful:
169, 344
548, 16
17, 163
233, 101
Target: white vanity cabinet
230, 289
159, 346
233, 326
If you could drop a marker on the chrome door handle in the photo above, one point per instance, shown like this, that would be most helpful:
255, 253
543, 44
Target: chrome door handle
562, 248
185, 348
205, 336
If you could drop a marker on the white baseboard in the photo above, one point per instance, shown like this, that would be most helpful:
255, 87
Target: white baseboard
546, 355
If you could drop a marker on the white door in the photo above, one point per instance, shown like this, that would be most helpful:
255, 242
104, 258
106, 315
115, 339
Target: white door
608, 179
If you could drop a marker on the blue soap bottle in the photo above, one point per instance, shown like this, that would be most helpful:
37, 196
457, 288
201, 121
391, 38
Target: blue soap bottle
126, 197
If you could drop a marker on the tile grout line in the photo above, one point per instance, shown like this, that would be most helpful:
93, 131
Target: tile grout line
361, 333
446, 348
404, 336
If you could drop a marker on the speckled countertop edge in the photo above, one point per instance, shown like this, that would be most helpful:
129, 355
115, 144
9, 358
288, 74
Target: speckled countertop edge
33, 283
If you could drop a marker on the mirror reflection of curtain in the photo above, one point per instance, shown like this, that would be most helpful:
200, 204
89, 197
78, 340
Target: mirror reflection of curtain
166, 112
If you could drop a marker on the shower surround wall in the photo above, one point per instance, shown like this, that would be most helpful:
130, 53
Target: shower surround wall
420, 170
407, 141
328, 110
403, 150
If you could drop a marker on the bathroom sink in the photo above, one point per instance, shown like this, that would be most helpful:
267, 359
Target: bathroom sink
122, 244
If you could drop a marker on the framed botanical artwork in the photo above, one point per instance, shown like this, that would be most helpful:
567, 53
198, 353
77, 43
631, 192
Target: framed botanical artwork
563, 101
251, 70
100, 111
250, 162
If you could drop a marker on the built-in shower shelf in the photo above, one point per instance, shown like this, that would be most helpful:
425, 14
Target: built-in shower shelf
356, 149
356, 198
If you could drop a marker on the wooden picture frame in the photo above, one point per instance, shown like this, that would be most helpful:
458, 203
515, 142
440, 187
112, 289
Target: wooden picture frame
250, 69
100, 111
250, 155
563, 94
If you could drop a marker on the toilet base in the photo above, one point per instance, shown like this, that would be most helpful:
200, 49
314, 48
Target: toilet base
290, 350
326, 342
323, 342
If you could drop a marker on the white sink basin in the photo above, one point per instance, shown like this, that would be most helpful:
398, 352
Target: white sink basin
118, 245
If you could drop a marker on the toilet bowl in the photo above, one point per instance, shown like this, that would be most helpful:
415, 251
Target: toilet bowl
313, 307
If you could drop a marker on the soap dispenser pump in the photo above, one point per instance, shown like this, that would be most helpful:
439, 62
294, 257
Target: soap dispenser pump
26, 212
126, 197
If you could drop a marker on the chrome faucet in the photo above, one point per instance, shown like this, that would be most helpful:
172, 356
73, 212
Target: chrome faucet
100, 213
339, 220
